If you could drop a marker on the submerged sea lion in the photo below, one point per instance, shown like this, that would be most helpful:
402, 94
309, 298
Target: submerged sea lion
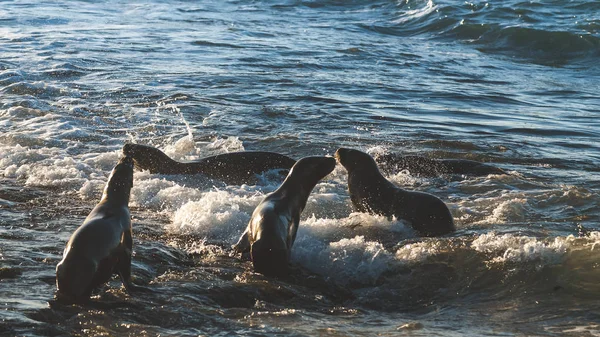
370, 192
272, 229
392, 163
231, 168
102, 245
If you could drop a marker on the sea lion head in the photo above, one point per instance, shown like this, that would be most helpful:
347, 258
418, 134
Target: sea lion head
354, 159
120, 180
312, 169
147, 157
122, 175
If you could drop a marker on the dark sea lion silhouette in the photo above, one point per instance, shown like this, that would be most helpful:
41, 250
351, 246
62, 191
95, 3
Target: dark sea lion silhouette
370, 192
232, 168
393, 163
102, 245
272, 229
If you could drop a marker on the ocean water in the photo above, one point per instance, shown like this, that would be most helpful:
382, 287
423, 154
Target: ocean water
511, 83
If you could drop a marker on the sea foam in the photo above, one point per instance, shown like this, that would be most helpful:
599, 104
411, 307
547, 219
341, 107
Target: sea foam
512, 248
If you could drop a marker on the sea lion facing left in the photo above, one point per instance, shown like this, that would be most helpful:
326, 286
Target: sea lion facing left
370, 192
272, 229
102, 245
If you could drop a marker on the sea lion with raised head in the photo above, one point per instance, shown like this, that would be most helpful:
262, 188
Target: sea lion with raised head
272, 229
392, 163
231, 168
370, 192
102, 245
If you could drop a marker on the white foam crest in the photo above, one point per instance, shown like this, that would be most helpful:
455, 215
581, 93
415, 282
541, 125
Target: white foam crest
225, 145
505, 208
339, 174
218, 215
506, 211
594, 241
419, 252
271, 179
186, 149
326, 202
349, 249
46, 167
175, 109
17, 156
160, 193
183, 149
48, 129
201, 247
511, 248
336, 182
566, 195
102, 162
347, 261
590, 329
377, 150
92, 189
24, 140
363, 224
63, 172
404, 178
413, 14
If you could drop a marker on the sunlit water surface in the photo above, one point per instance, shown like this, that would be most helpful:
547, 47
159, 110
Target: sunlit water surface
511, 83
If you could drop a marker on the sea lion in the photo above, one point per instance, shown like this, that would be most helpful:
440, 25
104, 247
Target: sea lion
102, 245
392, 163
232, 168
370, 192
272, 229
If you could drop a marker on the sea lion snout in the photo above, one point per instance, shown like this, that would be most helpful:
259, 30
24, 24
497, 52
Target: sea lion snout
352, 159
315, 167
338, 154
123, 171
129, 149
127, 161
329, 164
342, 154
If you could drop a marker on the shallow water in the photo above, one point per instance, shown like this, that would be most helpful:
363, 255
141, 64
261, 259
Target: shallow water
512, 84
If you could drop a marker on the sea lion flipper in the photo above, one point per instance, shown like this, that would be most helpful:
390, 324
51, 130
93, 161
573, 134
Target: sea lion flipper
124, 265
292, 230
243, 244
124, 271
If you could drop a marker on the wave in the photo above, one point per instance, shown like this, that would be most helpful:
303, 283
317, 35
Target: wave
37, 89
527, 31
539, 46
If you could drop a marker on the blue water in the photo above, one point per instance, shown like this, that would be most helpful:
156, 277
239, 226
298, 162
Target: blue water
511, 83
